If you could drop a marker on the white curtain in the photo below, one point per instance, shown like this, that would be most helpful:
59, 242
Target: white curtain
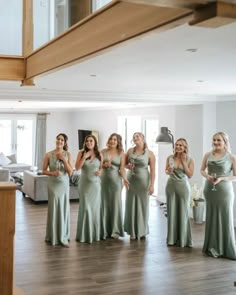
40, 144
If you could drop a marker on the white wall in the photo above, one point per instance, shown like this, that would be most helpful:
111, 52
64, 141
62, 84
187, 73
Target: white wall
59, 122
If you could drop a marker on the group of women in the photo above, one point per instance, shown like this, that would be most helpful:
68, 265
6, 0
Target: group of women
219, 169
103, 174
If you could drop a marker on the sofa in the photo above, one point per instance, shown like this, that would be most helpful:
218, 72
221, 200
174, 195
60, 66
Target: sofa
10, 163
35, 186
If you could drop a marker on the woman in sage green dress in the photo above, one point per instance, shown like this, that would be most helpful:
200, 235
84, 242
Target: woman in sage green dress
58, 166
89, 160
219, 169
180, 168
113, 172
141, 184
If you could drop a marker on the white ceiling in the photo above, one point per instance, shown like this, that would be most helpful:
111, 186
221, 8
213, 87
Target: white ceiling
156, 68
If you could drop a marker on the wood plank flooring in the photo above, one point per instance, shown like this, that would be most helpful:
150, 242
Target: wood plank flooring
114, 266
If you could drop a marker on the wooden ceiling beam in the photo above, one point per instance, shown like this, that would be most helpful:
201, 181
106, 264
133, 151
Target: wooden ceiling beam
214, 15
117, 22
12, 68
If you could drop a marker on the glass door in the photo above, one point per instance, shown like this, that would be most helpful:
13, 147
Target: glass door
6, 145
18, 138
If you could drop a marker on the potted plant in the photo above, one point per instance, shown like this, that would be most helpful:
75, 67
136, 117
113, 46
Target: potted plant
197, 203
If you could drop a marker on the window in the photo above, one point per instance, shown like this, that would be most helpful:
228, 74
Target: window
97, 4
18, 137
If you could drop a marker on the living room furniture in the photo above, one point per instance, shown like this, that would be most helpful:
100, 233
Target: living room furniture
35, 186
4, 175
7, 232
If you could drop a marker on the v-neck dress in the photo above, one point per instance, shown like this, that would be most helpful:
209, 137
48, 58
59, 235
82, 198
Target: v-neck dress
137, 197
89, 216
111, 198
58, 220
178, 202
219, 228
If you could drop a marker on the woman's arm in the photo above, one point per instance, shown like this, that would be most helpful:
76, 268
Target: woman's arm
122, 170
68, 164
168, 169
99, 172
152, 163
188, 167
203, 171
80, 160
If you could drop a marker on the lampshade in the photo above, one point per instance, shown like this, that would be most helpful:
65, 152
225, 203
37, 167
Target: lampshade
165, 136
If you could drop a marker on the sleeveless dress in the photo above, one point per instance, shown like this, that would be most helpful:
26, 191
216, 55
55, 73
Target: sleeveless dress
89, 216
178, 201
58, 220
111, 199
137, 198
219, 228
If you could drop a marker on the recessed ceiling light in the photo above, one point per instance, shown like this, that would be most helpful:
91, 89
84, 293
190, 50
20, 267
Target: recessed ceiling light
192, 50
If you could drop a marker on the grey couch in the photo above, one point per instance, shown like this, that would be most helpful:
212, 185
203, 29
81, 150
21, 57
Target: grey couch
36, 187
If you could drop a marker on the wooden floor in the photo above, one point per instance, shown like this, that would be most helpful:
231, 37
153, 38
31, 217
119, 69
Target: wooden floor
114, 266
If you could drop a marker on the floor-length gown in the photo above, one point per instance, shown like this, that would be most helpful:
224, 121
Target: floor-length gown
219, 228
178, 202
58, 220
111, 199
137, 197
89, 216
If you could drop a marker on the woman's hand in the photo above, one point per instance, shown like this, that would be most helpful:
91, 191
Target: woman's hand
106, 164
183, 158
87, 154
99, 172
151, 190
57, 173
126, 183
169, 170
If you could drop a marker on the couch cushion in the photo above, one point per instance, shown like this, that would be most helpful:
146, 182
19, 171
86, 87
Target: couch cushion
12, 158
4, 160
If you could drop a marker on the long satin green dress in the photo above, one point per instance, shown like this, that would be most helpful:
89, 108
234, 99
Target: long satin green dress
111, 198
58, 220
137, 198
178, 202
89, 216
219, 229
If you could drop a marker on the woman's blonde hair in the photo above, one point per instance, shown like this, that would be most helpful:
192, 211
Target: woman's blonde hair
225, 138
185, 144
143, 138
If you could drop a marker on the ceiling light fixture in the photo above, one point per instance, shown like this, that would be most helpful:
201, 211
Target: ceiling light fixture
192, 50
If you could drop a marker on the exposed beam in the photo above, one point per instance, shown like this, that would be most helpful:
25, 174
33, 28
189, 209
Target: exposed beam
117, 22
27, 30
214, 15
12, 68
190, 4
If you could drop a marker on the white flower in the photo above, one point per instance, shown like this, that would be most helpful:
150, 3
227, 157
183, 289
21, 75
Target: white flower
196, 195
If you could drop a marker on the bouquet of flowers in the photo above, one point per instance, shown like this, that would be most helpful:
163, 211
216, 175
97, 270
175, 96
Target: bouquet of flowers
196, 195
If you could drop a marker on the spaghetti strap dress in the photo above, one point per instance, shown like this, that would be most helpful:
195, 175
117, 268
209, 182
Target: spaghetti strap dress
58, 219
219, 228
89, 215
137, 197
178, 202
112, 217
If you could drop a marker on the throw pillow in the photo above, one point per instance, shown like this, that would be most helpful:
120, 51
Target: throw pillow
12, 158
4, 160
